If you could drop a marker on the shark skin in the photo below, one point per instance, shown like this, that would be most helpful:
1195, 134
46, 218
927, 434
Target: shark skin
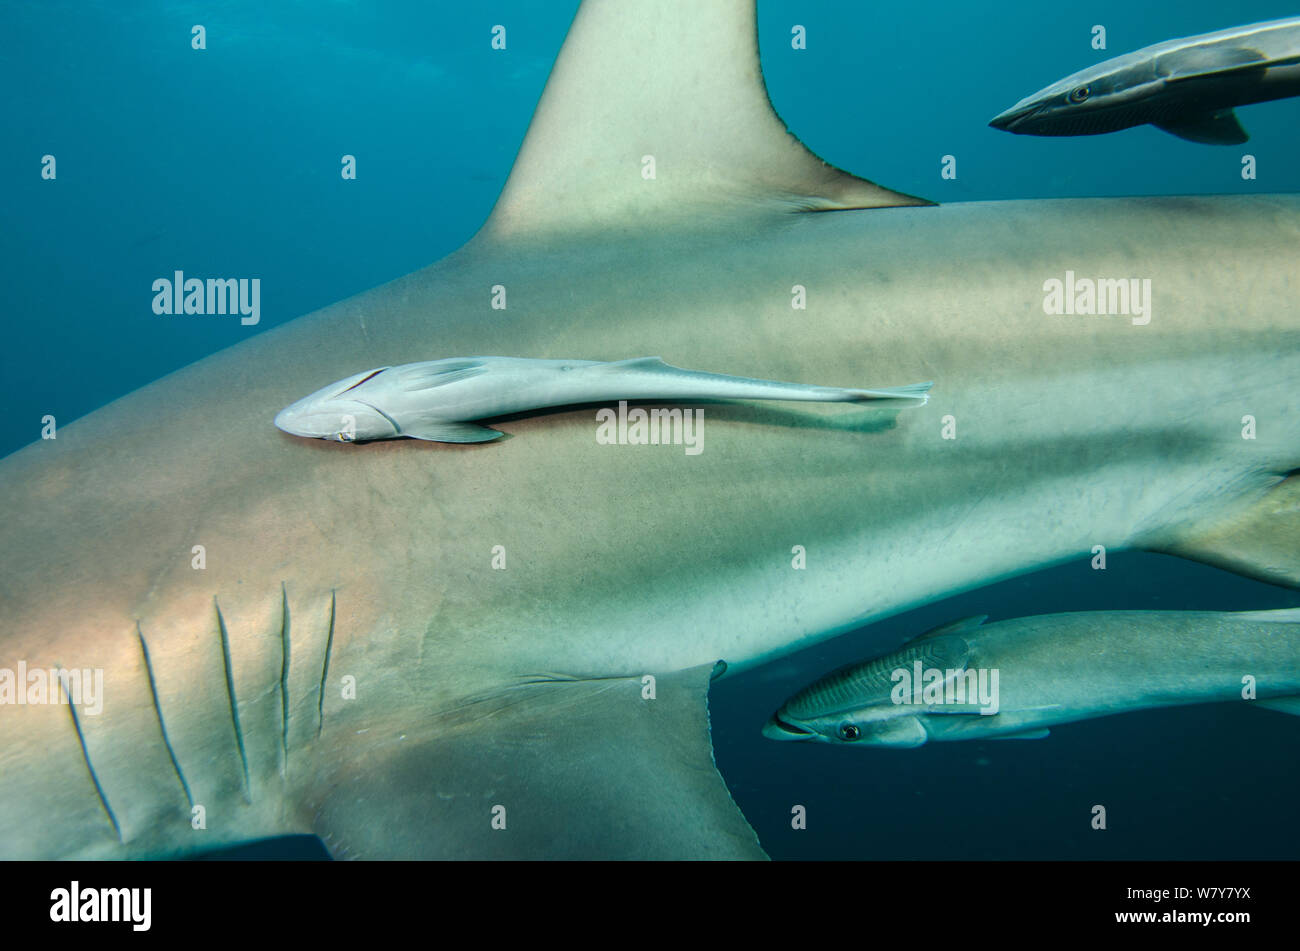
520, 695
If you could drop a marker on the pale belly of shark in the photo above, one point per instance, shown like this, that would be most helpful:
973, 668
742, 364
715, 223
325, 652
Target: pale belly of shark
620, 561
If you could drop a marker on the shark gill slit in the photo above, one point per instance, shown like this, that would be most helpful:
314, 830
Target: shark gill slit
284, 679
325, 667
85, 754
157, 709
234, 703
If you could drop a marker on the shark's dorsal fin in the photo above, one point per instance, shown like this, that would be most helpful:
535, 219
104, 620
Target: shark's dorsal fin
670, 89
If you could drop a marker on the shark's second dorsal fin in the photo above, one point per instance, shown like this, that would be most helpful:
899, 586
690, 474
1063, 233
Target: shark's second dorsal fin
658, 110
1260, 540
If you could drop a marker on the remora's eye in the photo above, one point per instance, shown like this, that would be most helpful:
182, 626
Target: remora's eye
1080, 94
849, 732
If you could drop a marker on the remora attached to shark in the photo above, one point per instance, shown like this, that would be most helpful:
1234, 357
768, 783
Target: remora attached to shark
1187, 87
1015, 679
496, 618
436, 399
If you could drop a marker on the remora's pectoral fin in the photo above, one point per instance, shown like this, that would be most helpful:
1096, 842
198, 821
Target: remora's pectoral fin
903, 733
1208, 128
577, 769
450, 432
658, 110
1261, 541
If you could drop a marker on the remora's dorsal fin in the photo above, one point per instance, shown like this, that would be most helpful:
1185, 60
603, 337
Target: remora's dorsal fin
638, 363
960, 626
1201, 62
1040, 733
678, 81
425, 376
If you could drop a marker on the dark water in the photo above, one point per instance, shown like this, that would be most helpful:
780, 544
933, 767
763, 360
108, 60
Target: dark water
227, 162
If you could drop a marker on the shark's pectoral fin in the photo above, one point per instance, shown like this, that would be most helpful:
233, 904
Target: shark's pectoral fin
1208, 128
450, 432
546, 769
1261, 541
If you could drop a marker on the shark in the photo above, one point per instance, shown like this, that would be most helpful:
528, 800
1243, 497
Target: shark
427, 650
1016, 679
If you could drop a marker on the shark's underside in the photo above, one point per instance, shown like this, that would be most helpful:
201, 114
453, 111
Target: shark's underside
498, 609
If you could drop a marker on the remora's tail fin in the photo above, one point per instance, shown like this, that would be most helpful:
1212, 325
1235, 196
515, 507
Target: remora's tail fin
1277, 616
656, 110
913, 394
1289, 705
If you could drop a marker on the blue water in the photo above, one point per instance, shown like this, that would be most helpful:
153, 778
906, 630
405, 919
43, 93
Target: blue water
227, 162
